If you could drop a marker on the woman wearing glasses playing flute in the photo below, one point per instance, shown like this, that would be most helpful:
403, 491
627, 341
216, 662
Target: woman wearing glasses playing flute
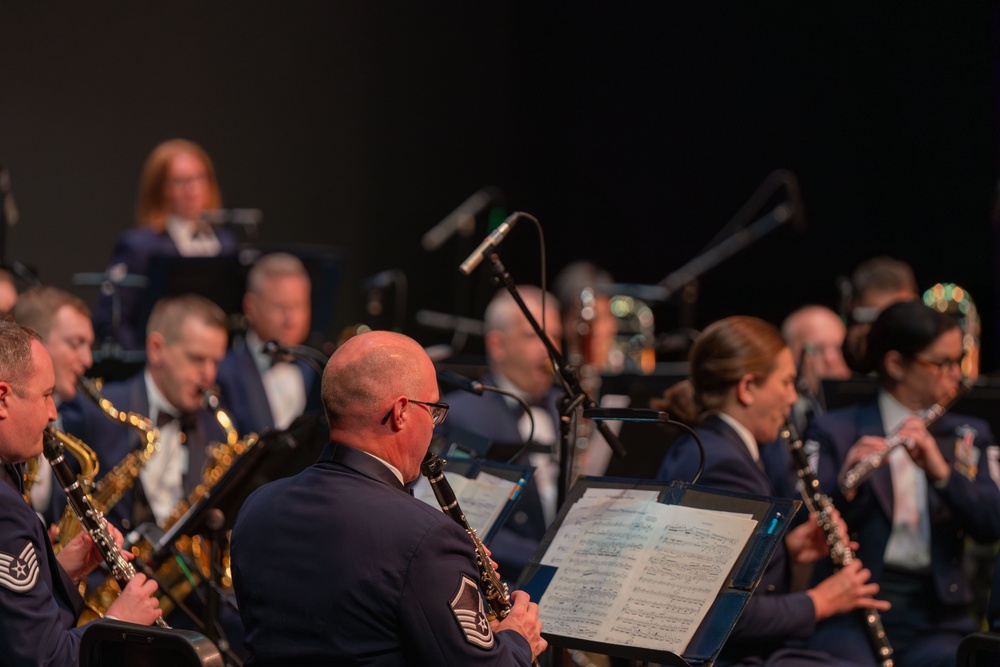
912, 482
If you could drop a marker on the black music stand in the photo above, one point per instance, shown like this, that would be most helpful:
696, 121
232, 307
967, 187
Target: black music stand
773, 517
219, 279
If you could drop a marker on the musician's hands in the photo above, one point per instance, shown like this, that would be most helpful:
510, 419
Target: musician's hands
806, 543
859, 451
846, 590
523, 619
136, 603
924, 450
81, 556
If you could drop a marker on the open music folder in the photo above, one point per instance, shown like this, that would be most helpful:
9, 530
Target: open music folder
487, 491
658, 572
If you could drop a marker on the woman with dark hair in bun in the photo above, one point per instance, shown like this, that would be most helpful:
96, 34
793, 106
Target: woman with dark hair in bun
740, 392
911, 518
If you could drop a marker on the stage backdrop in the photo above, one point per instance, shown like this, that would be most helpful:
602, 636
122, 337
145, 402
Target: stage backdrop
633, 132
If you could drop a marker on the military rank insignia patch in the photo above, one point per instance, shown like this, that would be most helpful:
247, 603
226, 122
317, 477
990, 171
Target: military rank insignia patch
467, 605
19, 573
966, 453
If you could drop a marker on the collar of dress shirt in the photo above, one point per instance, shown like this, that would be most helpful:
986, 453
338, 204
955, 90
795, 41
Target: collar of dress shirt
893, 412
157, 401
256, 347
744, 433
392, 468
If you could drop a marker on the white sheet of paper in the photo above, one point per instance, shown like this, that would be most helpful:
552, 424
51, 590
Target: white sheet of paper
641, 573
481, 499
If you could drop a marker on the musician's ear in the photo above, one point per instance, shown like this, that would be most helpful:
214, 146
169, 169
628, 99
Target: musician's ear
5, 394
744, 390
895, 366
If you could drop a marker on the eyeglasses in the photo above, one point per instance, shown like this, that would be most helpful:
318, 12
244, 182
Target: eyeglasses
438, 411
941, 365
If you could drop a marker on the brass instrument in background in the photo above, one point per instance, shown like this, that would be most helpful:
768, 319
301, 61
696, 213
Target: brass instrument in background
951, 299
633, 350
30, 476
181, 574
210, 401
89, 467
110, 489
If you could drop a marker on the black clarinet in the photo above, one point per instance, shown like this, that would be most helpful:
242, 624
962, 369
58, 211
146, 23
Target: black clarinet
495, 591
90, 518
841, 554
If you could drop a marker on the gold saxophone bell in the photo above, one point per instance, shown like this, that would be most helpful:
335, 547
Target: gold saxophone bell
69, 526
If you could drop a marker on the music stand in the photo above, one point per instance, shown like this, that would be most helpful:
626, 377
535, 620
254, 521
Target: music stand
773, 516
219, 279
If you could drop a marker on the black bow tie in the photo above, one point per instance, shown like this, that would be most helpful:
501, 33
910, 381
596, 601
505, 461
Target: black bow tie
186, 422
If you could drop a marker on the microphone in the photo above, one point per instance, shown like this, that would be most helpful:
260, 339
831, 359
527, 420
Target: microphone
460, 382
491, 241
314, 358
373, 287
462, 219
8, 209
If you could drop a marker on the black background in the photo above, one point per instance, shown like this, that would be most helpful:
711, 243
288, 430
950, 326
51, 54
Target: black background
632, 131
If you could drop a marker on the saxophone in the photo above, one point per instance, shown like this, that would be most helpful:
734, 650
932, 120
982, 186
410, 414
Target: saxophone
30, 476
110, 489
180, 575
89, 517
89, 466
495, 591
841, 554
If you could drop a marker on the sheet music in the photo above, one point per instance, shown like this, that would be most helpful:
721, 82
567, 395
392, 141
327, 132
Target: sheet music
594, 502
481, 499
640, 573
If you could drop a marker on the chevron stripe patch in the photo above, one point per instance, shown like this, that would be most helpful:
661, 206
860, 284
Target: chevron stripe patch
19, 573
467, 605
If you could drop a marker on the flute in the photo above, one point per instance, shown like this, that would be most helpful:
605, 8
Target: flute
866, 467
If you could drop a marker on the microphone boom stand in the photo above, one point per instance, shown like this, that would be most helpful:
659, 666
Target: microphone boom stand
573, 395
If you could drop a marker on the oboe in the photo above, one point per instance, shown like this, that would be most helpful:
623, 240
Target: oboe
841, 554
866, 467
495, 591
90, 518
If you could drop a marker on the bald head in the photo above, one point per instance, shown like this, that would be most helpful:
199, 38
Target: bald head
815, 335
373, 373
367, 371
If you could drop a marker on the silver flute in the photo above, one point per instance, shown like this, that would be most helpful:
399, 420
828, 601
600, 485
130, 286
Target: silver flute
859, 473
